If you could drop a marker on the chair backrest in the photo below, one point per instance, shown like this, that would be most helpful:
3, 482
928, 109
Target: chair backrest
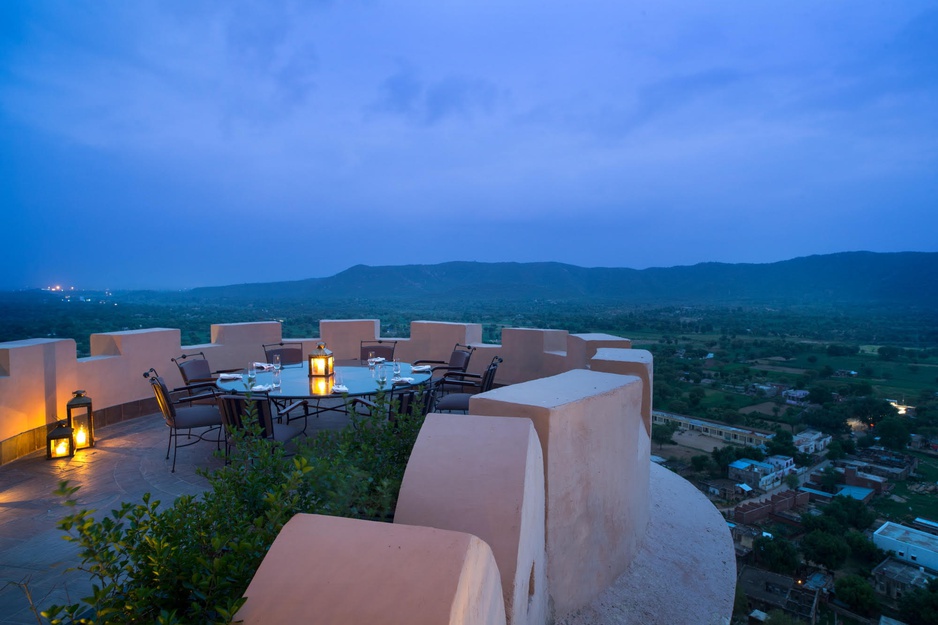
234, 409
193, 368
488, 378
460, 357
163, 399
408, 401
290, 353
381, 348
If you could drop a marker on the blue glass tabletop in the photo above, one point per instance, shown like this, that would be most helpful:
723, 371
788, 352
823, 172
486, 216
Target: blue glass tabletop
356, 380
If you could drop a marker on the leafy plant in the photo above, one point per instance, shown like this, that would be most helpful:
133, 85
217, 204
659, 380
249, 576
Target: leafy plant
192, 561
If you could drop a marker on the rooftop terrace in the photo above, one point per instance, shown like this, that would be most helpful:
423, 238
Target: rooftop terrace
582, 401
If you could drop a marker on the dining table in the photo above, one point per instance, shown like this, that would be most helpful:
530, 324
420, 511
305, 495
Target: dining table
347, 381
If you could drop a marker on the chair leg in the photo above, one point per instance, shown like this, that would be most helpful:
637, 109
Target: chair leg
169, 443
175, 451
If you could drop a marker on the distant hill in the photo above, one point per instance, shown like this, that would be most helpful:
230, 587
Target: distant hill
905, 279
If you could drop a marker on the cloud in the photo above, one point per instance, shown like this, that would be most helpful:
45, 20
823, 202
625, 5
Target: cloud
428, 103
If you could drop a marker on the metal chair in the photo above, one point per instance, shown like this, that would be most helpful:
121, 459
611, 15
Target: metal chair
401, 400
290, 353
183, 413
458, 360
454, 402
196, 372
379, 347
234, 409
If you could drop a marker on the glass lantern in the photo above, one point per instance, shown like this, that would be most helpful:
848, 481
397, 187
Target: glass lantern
59, 442
321, 362
81, 419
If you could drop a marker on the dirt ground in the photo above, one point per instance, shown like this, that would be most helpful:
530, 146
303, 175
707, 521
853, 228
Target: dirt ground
689, 444
763, 408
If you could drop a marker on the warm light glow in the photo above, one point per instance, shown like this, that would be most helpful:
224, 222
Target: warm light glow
81, 437
321, 362
61, 448
321, 385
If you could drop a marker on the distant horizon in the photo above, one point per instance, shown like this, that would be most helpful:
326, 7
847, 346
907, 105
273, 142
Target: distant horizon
168, 145
65, 287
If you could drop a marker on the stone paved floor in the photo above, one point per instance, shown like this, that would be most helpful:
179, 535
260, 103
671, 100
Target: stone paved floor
127, 461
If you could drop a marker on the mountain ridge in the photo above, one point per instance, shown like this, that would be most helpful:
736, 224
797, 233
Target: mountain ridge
859, 278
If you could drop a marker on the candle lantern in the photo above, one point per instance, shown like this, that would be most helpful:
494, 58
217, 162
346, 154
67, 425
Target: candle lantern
321, 362
81, 419
59, 443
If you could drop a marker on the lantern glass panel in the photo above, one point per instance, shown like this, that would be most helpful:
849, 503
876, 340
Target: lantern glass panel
59, 442
81, 419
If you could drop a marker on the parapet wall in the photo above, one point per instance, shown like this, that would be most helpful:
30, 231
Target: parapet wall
37, 376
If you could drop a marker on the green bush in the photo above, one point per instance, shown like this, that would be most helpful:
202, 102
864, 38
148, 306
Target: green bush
191, 562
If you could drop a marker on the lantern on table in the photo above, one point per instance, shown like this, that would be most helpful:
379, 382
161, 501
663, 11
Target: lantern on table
81, 419
321, 362
59, 442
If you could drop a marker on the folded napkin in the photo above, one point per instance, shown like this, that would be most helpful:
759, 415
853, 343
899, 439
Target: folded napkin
262, 388
339, 388
421, 368
408, 380
263, 366
229, 376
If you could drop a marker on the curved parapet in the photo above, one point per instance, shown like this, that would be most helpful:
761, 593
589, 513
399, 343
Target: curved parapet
335, 571
485, 476
596, 454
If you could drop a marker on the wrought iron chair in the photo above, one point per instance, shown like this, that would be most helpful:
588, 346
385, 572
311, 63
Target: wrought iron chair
401, 400
182, 412
290, 353
196, 373
379, 347
458, 362
459, 402
235, 408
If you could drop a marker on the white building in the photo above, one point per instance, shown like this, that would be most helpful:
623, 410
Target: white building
910, 545
811, 441
714, 429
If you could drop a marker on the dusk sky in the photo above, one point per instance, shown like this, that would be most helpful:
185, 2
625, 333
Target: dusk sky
187, 143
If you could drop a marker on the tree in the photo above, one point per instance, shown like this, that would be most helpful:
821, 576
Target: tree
920, 606
893, 433
825, 549
700, 462
856, 592
835, 451
792, 481
871, 411
863, 548
779, 617
777, 554
829, 479
782, 444
662, 433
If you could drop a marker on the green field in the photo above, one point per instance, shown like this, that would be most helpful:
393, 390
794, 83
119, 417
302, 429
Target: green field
916, 504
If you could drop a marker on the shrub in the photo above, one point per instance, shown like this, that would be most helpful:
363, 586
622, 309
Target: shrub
192, 561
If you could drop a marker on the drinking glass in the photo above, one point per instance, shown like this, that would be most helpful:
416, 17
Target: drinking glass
382, 375
277, 380
371, 360
397, 367
252, 374
276, 362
